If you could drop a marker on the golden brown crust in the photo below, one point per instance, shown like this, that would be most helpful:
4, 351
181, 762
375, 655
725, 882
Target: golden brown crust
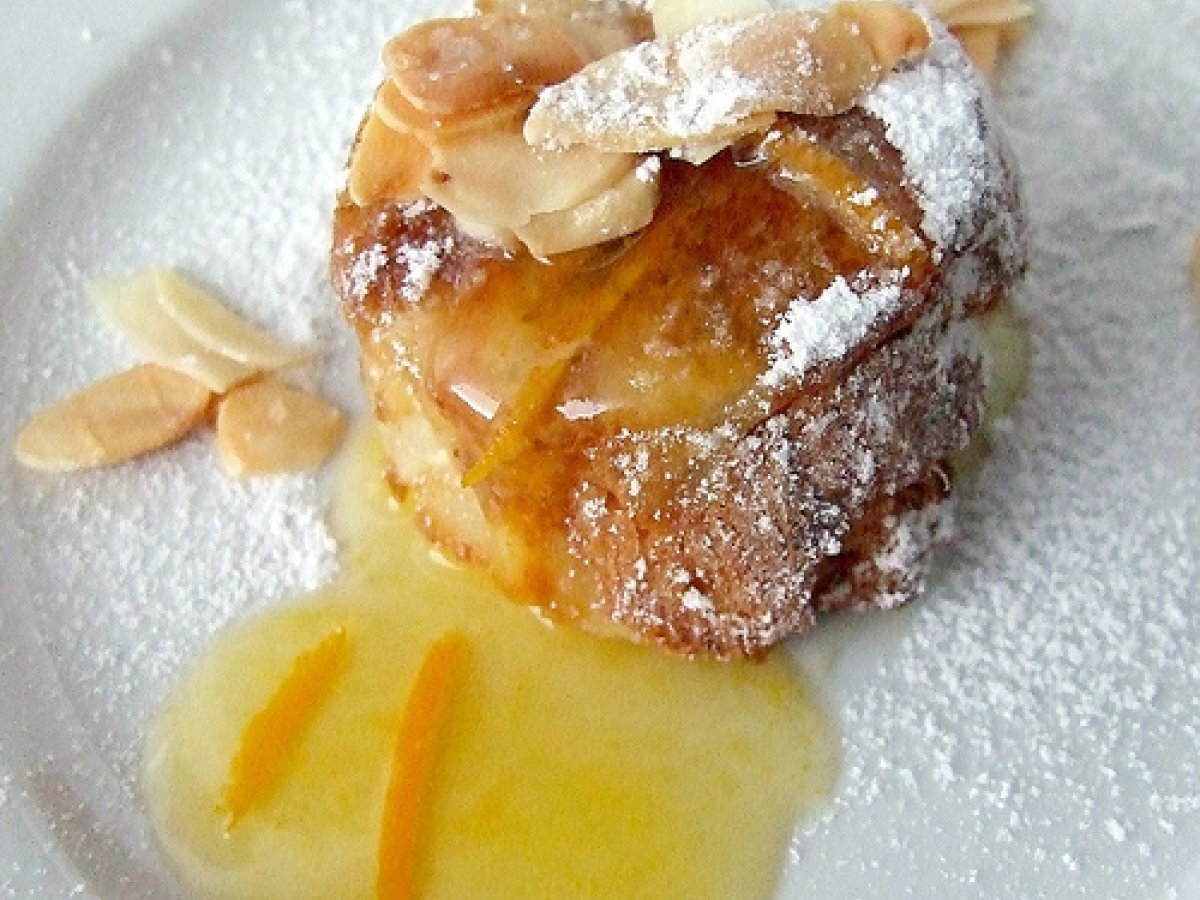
727, 543
711, 509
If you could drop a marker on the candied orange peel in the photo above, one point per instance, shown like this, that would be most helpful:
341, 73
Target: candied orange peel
271, 737
418, 746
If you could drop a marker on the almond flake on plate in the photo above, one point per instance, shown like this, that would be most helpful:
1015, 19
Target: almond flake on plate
116, 419
267, 427
176, 324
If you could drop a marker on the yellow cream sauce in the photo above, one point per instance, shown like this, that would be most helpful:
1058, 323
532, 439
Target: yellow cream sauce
569, 766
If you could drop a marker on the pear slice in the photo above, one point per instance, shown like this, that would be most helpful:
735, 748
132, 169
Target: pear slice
268, 428
114, 420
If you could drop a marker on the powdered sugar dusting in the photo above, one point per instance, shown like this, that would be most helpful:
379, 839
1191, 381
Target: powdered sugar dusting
825, 329
685, 88
421, 263
1028, 730
935, 113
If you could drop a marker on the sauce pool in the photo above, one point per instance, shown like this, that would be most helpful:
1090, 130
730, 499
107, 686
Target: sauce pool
567, 765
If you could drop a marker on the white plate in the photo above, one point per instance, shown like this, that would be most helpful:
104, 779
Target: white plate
1031, 728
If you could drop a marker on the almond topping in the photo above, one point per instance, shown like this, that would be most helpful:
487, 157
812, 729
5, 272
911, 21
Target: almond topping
982, 44
681, 90
397, 113
268, 427
895, 33
626, 207
448, 66
386, 165
960, 13
676, 16
119, 418
497, 179
984, 27
599, 28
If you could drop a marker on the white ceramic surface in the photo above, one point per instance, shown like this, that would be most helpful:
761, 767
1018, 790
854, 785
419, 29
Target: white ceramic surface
1029, 729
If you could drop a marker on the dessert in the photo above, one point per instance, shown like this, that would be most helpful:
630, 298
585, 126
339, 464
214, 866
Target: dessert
668, 321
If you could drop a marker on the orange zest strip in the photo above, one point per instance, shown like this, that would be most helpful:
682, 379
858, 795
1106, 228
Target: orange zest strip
417, 746
512, 435
279, 726
816, 174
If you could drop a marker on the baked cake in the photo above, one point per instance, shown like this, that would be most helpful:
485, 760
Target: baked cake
668, 318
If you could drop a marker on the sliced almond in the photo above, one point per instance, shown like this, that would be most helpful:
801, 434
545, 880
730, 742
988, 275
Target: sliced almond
268, 427
447, 66
132, 307
894, 32
496, 179
398, 114
985, 28
386, 165
699, 152
626, 207
675, 16
177, 324
119, 418
982, 45
600, 28
684, 89
965, 13
218, 328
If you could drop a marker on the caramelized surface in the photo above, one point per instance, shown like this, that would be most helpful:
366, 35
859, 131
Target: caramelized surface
529, 363
600, 430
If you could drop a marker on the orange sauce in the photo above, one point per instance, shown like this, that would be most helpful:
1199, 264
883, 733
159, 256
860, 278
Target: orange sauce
567, 765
